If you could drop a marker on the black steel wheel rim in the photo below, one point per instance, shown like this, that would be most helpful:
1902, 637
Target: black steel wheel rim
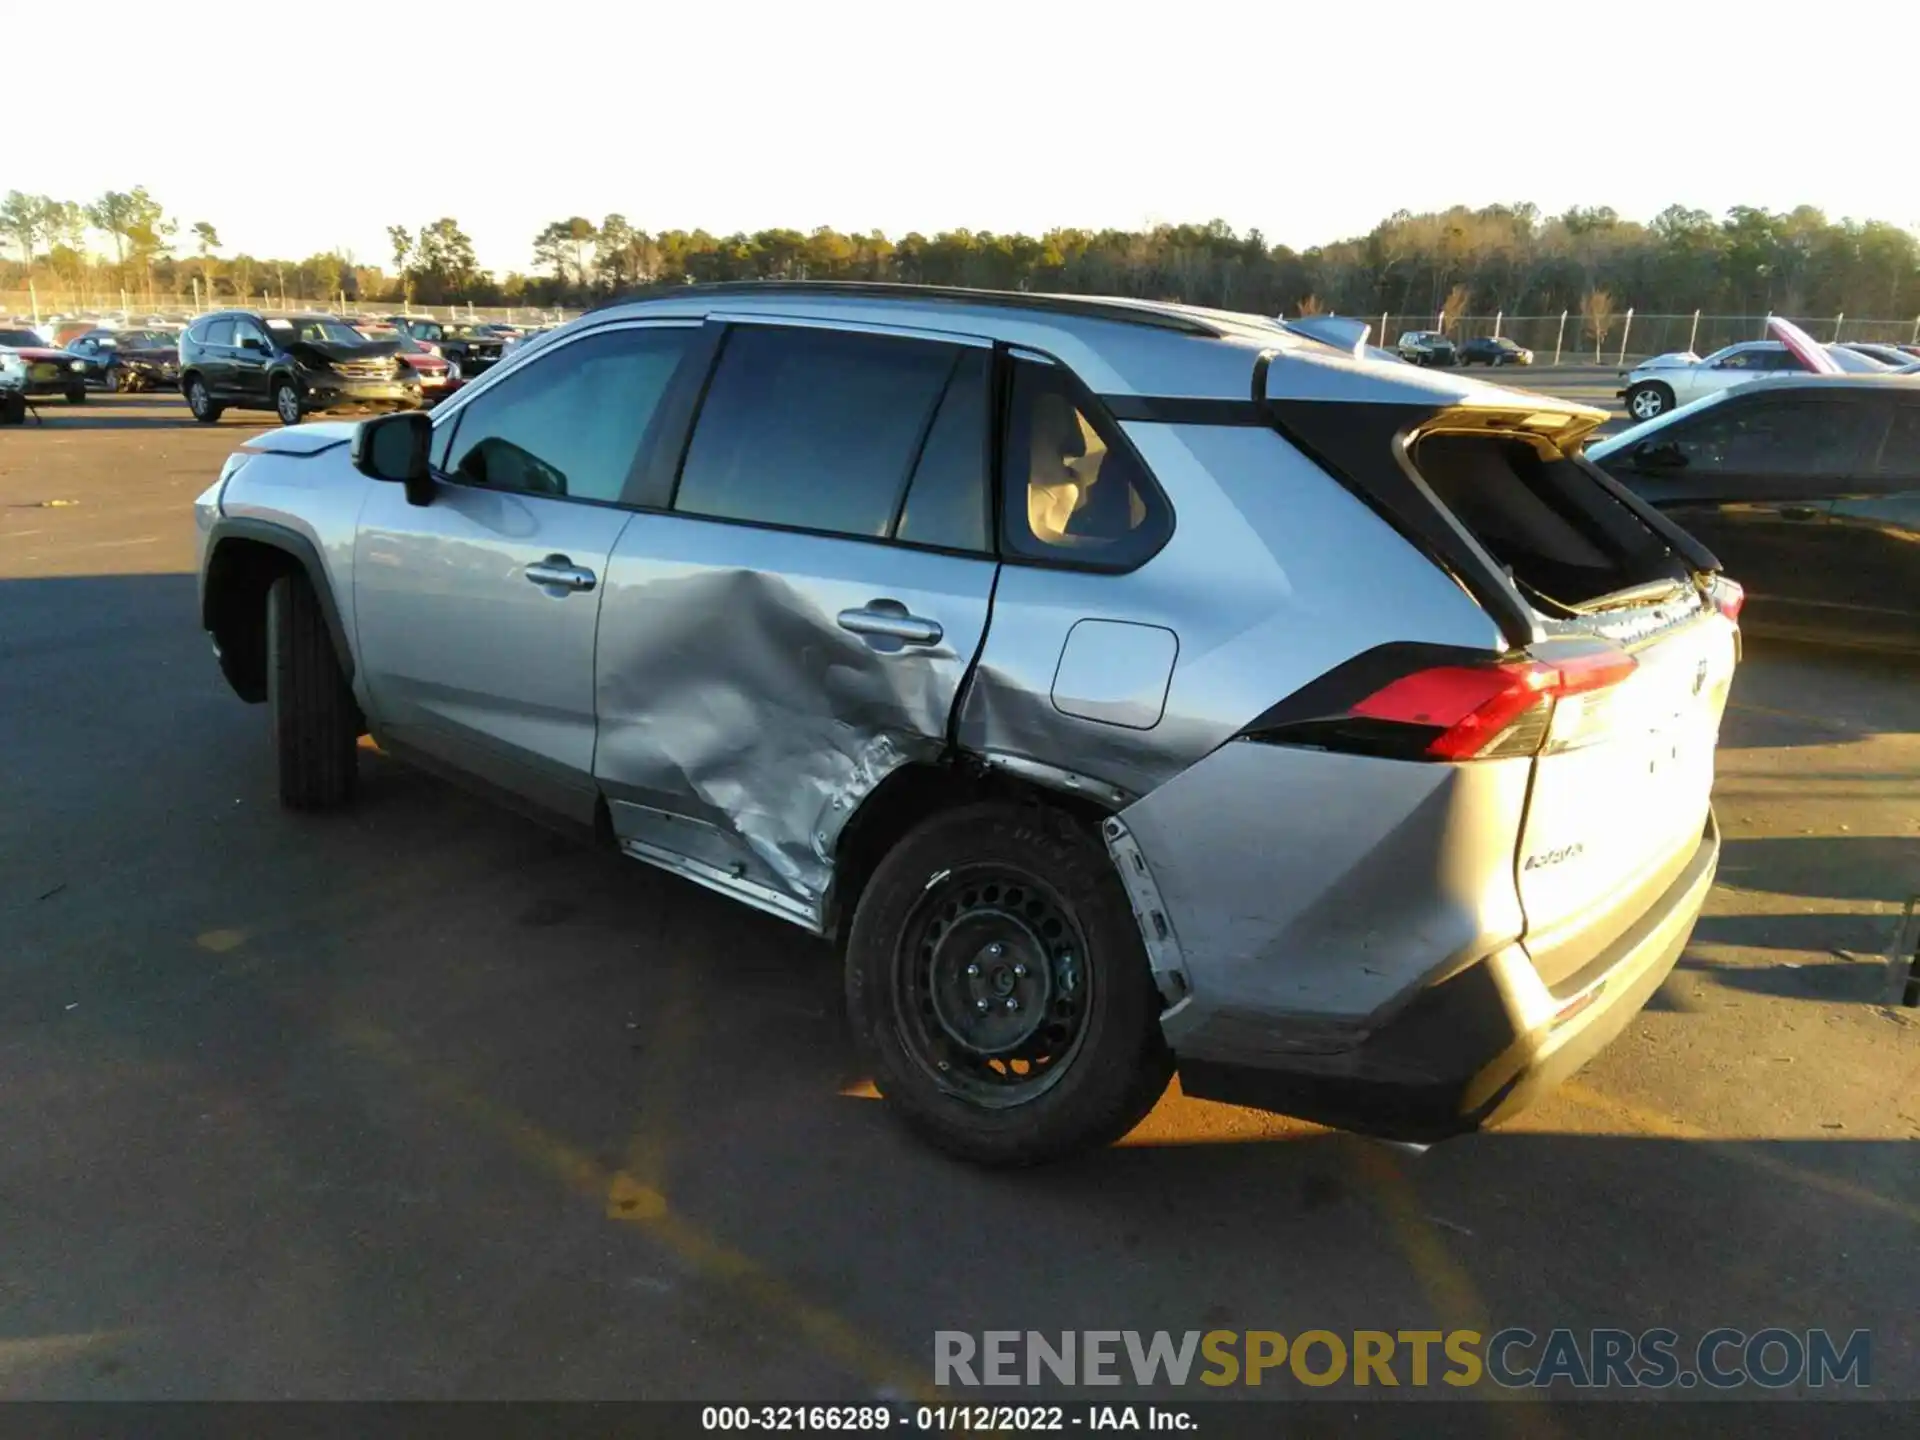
991, 987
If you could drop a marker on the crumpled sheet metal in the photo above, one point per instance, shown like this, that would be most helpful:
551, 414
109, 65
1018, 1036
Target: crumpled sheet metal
777, 723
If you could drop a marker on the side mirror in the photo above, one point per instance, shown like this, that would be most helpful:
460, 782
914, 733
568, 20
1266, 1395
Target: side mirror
252, 342
394, 448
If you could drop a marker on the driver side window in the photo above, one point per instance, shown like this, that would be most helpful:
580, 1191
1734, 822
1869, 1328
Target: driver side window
571, 423
245, 330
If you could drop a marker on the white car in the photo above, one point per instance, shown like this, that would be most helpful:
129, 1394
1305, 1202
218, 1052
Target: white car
1653, 387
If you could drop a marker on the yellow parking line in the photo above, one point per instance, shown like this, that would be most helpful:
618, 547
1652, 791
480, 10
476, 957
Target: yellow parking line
1449, 1289
1653, 1122
713, 1259
35, 1352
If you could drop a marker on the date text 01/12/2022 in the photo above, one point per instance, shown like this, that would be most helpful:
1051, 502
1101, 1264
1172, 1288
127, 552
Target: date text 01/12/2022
943, 1419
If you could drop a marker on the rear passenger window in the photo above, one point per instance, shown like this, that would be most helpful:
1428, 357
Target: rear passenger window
1075, 492
570, 423
817, 429
218, 332
948, 503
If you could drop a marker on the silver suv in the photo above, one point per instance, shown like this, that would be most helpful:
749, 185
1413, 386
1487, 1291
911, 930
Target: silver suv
1125, 686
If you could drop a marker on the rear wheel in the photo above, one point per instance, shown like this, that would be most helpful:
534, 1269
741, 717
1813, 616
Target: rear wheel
316, 724
200, 402
13, 409
76, 394
1648, 399
286, 402
996, 978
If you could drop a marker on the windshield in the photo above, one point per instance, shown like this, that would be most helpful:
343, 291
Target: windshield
19, 337
316, 330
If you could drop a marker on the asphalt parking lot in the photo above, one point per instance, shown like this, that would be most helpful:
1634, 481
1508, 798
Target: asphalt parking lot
422, 1101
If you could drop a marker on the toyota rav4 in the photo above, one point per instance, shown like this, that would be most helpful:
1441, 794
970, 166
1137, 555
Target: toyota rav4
1125, 687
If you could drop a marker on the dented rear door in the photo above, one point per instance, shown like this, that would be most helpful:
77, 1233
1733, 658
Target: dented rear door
799, 624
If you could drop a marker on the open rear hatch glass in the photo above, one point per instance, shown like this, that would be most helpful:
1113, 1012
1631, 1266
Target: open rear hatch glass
1622, 647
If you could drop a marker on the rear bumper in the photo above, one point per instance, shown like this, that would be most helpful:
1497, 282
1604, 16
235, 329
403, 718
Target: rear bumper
1480, 1045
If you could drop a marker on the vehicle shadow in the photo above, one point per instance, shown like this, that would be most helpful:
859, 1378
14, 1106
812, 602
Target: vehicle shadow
1805, 694
1844, 867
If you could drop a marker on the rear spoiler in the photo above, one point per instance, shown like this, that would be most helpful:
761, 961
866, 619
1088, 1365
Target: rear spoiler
1347, 336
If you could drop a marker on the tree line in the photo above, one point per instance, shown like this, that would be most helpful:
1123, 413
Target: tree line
1507, 258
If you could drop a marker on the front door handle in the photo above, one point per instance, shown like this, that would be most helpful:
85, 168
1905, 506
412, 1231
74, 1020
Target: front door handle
1799, 512
889, 620
557, 572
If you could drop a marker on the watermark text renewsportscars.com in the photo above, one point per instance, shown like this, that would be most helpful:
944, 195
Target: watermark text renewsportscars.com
1725, 1358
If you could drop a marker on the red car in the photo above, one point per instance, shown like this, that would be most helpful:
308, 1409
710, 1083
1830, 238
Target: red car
49, 371
438, 377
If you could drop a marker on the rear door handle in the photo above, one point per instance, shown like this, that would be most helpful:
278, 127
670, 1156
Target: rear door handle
1799, 512
889, 620
557, 572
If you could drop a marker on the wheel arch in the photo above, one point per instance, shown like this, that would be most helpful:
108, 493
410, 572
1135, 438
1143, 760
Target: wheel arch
244, 558
915, 793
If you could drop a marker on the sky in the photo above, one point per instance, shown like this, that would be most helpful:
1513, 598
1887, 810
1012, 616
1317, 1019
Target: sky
314, 128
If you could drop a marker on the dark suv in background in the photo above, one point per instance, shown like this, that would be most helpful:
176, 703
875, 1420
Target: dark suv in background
292, 365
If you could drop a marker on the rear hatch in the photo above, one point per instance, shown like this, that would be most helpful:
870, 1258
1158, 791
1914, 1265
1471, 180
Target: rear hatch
1622, 647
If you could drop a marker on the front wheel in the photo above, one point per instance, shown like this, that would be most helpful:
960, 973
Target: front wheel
1649, 399
316, 724
286, 402
200, 401
76, 394
996, 979
113, 385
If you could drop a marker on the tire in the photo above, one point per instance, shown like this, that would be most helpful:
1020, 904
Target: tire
316, 724
200, 401
13, 409
1648, 399
77, 395
112, 380
286, 401
1028, 880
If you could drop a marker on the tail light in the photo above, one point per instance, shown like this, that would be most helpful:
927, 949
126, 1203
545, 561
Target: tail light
1484, 712
1727, 596
1466, 709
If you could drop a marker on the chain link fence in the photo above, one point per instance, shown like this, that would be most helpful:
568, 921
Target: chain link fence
1574, 339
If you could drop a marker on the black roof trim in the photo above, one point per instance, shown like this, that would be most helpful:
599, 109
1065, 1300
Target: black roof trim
1085, 307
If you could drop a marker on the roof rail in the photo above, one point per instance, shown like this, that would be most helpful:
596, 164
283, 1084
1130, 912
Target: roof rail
1085, 306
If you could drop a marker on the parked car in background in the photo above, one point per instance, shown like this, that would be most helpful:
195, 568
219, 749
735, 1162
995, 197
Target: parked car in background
13, 388
1384, 814
526, 336
291, 365
1892, 356
1807, 489
131, 360
1494, 350
1666, 382
50, 371
1427, 347
439, 377
471, 351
